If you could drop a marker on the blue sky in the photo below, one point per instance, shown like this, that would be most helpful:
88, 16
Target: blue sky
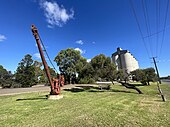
92, 26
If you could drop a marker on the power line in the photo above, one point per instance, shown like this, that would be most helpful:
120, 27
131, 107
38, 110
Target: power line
166, 15
145, 10
155, 33
133, 9
47, 53
157, 23
160, 31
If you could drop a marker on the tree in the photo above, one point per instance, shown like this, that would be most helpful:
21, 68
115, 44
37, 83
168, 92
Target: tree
7, 78
144, 75
99, 68
111, 72
150, 75
52, 72
70, 63
104, 69
138, 75
25, 73
86, 75
43, 78
38, 71
4, 77
3, 72
120, 75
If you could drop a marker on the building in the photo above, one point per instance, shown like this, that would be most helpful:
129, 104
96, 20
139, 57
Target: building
124, 60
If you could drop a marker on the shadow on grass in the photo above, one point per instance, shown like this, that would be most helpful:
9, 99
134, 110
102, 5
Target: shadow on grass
139, 84
36, 98
114, 90
160, 100
94, 89
74, 90
89, 87
86, 88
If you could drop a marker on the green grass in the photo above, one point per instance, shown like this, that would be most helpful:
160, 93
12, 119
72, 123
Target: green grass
88, 108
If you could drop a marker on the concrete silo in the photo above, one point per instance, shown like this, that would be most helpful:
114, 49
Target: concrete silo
124, 60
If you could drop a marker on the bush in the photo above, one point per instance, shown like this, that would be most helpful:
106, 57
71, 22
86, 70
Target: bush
9, 84
87, 81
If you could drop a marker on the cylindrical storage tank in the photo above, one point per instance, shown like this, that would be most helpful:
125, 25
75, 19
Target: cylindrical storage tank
128, 62
122, 61
136, 65
115, 60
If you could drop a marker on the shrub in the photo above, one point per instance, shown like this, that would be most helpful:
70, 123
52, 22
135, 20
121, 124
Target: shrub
87, 81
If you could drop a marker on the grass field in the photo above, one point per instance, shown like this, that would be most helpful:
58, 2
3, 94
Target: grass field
88, 107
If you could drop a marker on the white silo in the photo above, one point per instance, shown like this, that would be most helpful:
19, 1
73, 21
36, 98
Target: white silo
124, 60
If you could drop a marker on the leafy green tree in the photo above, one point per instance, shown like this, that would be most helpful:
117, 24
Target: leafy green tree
43, 78
100, 68
150, 75
70, 63
98, 63
3, 77
38, 71
145, 76
103, 67
25, 73
52, 72
120, 75
86, 74
3, 72
138, 75
111, 72
7, 78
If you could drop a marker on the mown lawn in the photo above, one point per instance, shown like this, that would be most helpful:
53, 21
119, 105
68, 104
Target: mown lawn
88, 107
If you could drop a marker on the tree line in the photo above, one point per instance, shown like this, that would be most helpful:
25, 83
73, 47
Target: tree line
75, 69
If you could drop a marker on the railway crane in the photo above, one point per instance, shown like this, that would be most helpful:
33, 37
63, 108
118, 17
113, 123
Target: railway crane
55, 83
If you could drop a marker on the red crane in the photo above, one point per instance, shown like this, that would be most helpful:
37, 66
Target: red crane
54, 82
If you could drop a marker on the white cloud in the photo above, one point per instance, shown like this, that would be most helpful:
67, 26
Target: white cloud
93, 42
2, 37
56, 15
88, 60
37, 56
81, 51
80, 42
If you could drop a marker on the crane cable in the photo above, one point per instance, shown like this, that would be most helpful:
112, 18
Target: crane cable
47, 53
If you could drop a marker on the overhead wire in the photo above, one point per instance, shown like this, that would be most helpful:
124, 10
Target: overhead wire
145, 11
157, 24
147, 24
156, 33
165, 21
143, 40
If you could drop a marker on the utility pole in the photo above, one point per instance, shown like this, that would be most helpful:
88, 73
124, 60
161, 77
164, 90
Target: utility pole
156, 70
159, 81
